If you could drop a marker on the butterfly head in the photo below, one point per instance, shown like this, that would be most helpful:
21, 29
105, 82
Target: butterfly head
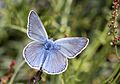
49, 45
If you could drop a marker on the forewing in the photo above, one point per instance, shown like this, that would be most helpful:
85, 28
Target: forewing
71, 47
36, 30
55, 63
34, 54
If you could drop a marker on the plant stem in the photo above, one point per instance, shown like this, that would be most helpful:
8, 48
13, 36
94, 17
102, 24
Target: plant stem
16, 71
62, 80
116, 50
113, 74
116, 77
17, 28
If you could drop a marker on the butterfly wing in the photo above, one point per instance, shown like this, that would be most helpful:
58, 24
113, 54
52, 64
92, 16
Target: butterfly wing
71, 47
34, 54
36, 30
55, 63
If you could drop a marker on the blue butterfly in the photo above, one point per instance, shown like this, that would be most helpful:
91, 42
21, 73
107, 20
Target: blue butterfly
48, 55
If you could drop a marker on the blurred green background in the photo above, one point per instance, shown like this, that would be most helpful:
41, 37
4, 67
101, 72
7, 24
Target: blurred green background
61, 18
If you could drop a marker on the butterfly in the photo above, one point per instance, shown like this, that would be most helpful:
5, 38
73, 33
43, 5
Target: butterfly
48, 55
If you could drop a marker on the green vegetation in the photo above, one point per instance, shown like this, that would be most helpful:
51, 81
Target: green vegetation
97, 64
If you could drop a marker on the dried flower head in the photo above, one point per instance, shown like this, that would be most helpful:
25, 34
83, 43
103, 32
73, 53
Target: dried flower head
113, 23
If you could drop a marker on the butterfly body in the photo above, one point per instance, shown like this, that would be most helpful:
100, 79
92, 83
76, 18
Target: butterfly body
46, 54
